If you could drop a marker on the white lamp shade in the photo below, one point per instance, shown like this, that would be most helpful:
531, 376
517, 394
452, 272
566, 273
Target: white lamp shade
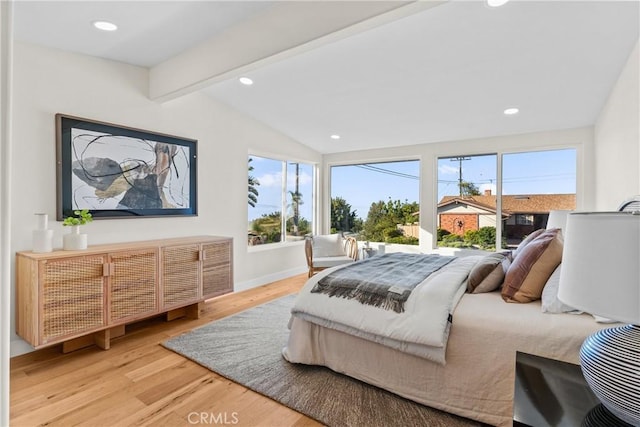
557, 219
601, 265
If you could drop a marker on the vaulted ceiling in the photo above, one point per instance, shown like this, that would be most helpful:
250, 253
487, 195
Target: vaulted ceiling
376, 73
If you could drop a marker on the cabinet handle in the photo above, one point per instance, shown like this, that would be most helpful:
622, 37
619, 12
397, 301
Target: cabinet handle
108, 269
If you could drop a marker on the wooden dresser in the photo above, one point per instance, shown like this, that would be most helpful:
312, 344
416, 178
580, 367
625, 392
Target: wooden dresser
79, 298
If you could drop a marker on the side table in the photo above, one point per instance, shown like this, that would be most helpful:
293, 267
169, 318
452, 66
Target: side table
553, 393
368, 252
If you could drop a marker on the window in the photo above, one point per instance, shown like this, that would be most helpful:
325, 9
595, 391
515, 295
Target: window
299, 199
466, 212
533, 184
280, 199
524, 219
377, 201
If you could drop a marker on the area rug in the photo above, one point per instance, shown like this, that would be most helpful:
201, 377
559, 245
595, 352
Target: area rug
246, 348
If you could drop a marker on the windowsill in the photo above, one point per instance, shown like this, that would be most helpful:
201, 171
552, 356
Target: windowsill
274, 246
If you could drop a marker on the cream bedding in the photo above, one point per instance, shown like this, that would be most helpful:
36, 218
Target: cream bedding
478, 379
421, 329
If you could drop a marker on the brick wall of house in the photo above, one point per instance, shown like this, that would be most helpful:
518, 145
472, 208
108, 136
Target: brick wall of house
452, 222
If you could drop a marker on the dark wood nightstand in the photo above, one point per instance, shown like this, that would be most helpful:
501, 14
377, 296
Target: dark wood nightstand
553, 393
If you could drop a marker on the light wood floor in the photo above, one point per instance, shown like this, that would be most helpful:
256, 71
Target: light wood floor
139, 382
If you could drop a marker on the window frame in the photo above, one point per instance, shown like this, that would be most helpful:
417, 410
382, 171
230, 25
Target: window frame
327, 184
499, 179
524, 219
285, 162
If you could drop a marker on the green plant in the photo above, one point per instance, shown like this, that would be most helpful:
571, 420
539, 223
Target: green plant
450, 238
441, 232
80, 218
403, 240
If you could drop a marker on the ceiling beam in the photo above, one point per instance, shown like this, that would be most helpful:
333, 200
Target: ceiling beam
284, 30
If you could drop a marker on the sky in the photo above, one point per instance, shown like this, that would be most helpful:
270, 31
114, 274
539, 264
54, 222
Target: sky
543, 172
269, 174
362, 185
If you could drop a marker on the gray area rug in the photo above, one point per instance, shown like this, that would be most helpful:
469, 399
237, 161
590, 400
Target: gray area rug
246, 348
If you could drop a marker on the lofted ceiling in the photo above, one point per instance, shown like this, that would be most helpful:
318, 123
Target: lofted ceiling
381, 74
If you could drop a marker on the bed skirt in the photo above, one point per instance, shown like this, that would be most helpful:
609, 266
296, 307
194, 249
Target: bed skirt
478, 379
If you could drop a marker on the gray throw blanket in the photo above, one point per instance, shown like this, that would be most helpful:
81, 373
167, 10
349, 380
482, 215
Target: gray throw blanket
384, 281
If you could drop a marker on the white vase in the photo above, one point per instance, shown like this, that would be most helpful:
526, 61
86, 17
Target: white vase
42, 237
74, 241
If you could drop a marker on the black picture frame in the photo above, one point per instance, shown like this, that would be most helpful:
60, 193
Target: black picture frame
121, 172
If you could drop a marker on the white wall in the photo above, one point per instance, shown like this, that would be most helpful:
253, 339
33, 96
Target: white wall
581, 139
48, 81
617, 139
6, 57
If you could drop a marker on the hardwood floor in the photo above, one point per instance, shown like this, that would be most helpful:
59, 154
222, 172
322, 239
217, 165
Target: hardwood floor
139, 382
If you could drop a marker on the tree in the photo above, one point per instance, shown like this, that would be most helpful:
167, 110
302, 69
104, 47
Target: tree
268, 227
342, 217
468, 189
383, 218
304, 227
378, 220
253, 183
296, 201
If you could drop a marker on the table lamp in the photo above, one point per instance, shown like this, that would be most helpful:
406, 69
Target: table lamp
601, 275
558, 219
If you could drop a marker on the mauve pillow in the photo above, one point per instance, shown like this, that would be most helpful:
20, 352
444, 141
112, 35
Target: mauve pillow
532, 267
526, 241
487, 275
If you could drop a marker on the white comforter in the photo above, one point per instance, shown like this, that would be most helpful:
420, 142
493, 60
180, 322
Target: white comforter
422, 329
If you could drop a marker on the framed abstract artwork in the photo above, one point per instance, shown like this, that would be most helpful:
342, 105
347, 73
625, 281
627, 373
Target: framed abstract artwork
121, 172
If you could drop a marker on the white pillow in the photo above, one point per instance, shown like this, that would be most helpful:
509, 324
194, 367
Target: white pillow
328, 245
550, 301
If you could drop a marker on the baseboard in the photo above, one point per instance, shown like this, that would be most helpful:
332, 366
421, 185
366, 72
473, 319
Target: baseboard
19, 346
254, 283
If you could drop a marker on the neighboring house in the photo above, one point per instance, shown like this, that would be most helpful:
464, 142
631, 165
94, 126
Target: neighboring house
521, 214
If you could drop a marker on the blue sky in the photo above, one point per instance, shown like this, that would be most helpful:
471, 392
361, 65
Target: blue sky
269, 174
545, 172
365, 184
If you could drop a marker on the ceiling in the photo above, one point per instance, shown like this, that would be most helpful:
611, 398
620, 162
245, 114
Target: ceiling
441, 73
149, 31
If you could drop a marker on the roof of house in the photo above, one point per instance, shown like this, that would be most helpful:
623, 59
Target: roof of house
517, 203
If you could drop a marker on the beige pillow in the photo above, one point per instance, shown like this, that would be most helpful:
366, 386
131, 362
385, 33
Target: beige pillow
532, 267
487, 275
326, 245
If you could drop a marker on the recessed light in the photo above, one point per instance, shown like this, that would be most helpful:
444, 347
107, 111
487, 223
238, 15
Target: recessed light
245, 81
511, 111
335, 136
105, 25
496, 3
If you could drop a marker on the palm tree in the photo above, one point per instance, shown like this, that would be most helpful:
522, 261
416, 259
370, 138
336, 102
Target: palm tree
296, 201
253, 183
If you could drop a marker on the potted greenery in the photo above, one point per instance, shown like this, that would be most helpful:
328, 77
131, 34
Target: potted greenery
75, 241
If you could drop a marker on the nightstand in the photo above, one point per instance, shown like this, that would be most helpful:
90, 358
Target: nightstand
553, 393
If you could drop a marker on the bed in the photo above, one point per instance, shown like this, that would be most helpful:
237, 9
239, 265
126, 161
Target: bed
476, 377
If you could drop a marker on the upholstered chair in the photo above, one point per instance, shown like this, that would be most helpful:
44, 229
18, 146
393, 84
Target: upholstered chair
329, 250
